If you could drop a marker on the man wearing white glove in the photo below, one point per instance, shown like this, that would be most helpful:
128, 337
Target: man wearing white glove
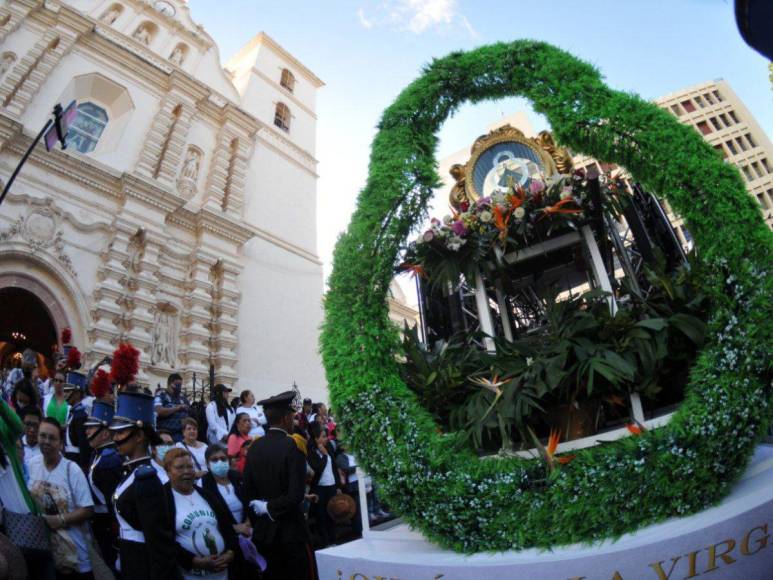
274, 485
259, 507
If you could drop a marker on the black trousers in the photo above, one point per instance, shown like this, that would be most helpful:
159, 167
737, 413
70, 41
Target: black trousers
102, 525
326, 527
288, 561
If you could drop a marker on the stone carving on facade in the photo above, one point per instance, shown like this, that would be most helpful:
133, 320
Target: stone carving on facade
165, 336
8, 60
142, 35
189, 174
177, 56
39, 230
111, 15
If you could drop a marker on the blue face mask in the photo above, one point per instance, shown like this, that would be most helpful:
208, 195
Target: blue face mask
219, 468
161, 451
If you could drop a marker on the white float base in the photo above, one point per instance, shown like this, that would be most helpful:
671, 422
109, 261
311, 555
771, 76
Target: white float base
731, 540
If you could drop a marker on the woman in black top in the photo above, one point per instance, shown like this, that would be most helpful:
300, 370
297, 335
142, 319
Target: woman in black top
326, 482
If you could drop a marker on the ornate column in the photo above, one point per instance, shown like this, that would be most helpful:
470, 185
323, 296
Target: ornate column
224, 322
25, 79
13, 14
219, 169
195, 348
163, 147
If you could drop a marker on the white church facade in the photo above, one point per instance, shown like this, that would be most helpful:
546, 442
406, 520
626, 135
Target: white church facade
182, 215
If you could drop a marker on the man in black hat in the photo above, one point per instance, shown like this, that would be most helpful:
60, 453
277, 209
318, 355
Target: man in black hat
274, 484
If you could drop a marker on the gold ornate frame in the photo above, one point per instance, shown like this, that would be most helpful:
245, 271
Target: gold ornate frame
554, 159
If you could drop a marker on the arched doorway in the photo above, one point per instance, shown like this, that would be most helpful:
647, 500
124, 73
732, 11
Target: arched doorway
25, 322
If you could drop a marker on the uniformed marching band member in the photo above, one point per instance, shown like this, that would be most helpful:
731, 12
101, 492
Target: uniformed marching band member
274, 485
104, 476
146, 544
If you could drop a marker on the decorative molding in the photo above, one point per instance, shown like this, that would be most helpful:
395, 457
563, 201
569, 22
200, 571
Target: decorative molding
133, 46
40, 230
288, 149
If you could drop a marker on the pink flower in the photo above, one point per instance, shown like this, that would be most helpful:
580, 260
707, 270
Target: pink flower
536, 186
428, 236
483, 201
434, 222
458, 228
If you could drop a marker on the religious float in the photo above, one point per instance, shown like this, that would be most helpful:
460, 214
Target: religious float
582, 399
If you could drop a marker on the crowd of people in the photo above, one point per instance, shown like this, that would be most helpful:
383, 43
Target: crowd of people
137, 485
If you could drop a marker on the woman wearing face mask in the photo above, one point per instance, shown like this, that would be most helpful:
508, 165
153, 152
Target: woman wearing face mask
193, 446
146, 545
227, 483
159, 451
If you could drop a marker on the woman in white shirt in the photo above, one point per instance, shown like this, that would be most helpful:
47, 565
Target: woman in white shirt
257, 418
220, 415
196, 448
206, 540
64, 497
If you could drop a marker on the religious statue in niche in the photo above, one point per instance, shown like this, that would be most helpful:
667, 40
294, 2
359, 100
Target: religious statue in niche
164, 336
142, 34
189, 174
111, 15
177, 56
6, 63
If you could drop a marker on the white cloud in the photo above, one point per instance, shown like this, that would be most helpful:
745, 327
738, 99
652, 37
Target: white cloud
363, 19
417, 16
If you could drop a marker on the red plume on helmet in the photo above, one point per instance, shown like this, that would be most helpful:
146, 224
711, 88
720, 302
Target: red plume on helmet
125, 365
100, 384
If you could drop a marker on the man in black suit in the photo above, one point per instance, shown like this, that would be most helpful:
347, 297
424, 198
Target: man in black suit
274, 484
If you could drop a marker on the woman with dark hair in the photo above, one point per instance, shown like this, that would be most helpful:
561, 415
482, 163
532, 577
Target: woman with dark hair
227, 483
55, 403
239, 440
258, 418
326, 482
24, 395
205, 540
220, 415
146, 545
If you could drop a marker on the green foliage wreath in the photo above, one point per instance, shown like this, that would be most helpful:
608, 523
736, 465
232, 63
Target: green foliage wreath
440, 487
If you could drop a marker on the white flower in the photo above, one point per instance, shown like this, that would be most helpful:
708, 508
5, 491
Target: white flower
529, 361
519, 212
498, 198
454, 243
485, 216
447, 219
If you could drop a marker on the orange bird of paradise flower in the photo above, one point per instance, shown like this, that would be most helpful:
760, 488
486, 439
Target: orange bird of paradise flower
553, 439
414, 269
517, 198
501, 220
560, 207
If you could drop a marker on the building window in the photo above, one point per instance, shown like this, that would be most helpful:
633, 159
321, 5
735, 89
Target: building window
282, 117
747, 173
750, 140
716, 124
757, 169
287, 80
724, 120
688, 106
699, 101
704, 128
741, 143
720, 149
733, 117
676, 110
731, 146
709, 98
764, 163
87, 128
718, 95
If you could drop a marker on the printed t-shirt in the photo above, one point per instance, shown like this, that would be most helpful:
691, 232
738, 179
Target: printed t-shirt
62, 490
197, 532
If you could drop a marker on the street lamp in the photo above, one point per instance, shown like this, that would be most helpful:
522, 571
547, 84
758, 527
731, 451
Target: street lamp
55, 130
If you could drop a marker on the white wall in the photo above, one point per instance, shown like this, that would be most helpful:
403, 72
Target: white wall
279, 319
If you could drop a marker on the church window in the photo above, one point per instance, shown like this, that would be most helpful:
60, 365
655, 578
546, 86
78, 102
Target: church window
87, 128
282, 117
287, 80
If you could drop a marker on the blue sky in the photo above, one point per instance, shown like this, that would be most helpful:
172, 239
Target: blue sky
366, 51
